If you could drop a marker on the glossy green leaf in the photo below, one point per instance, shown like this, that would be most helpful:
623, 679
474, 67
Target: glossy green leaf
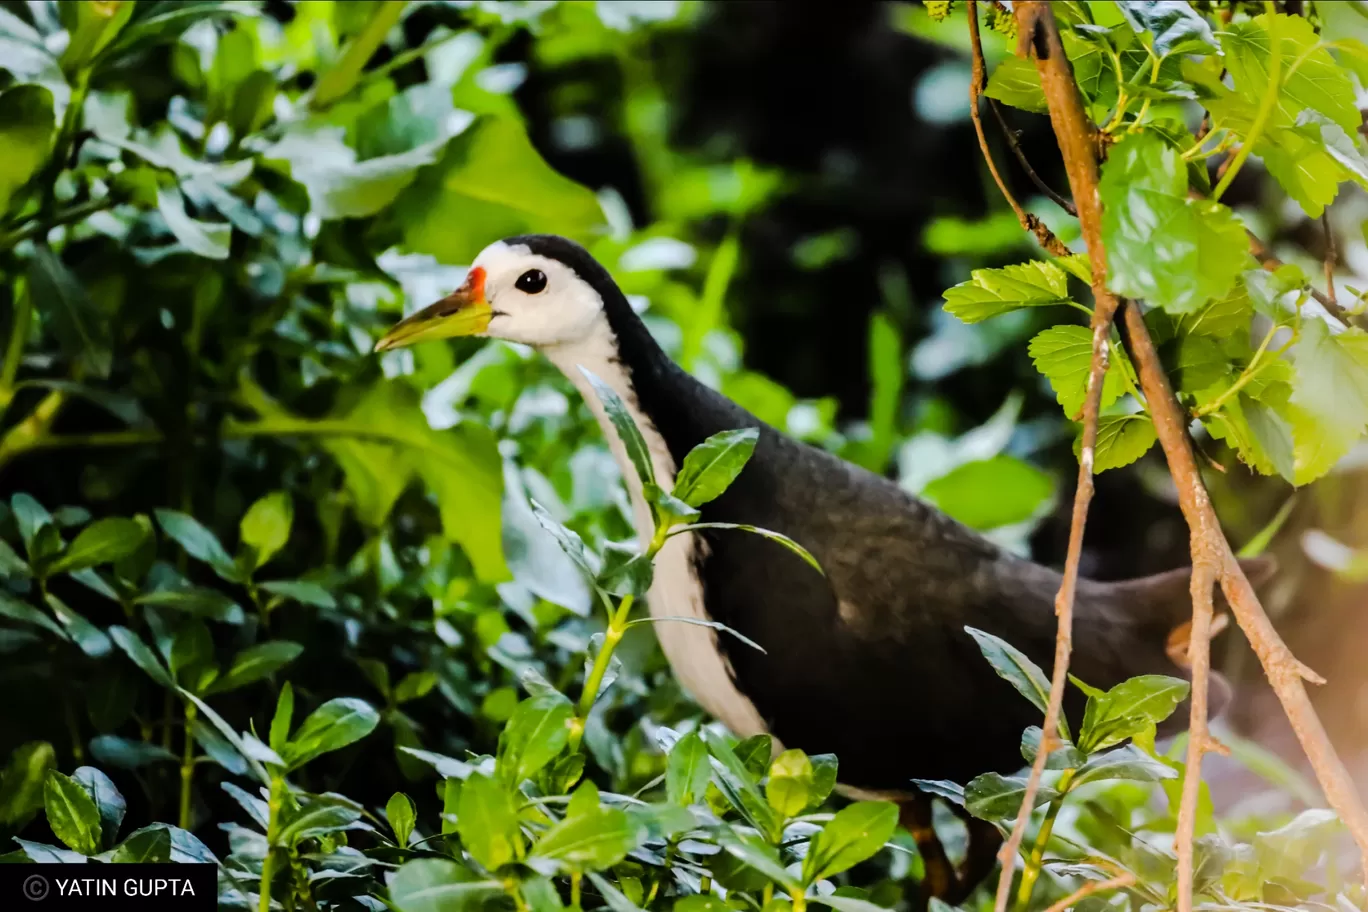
102, 542
488, 822
1064, 355
755, 853
1162, 246
1121, 439
628, 433
302, 591
711, 467
333, 726
1173, 25
1127, 762
996, 797
438, 885
776, 537
133, 647
27, 125
207, 239
1062, 757
149, 845
71, 813
1016, 82
256, 662
266, 525
789, 789
687, 770
536, 733
1310, 76
992, 292
853, 835
988, 493
1016, 669
1129, 708
22, 780
198, 541
594, 840
107, 798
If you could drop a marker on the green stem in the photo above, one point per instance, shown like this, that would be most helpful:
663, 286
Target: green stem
341, 78
1031, 872
187, 770
39, 225
23, 313
1266, 106
1248, 374
272, 828
611, 637
575, 878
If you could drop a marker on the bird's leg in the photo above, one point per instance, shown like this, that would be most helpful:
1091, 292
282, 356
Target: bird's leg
939, 880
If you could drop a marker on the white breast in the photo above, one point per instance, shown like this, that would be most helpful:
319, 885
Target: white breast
676, 591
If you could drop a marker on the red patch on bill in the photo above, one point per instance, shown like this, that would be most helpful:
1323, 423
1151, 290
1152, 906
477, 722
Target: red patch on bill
474, 283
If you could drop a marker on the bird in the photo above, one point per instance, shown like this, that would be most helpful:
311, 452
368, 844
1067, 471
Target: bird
868, 658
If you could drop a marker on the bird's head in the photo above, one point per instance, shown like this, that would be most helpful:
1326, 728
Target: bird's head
535, 289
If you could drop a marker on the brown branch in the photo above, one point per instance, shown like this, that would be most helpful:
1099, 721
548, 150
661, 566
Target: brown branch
1014, 143
1285, 673
1205, 564
1091, 887
1029, 221
1073, 131
1271, 263
1331, 257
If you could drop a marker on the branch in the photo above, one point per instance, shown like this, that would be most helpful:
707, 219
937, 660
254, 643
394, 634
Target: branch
1073, 130
1013, 143
1205, 564
1091, 887
1271, 263
1028, 220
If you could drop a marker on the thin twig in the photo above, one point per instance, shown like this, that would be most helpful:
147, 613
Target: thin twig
1271, 263
1284, 671
1091, 887
1205, 565
1036, 26
977, 80
1331, 257
1014, 143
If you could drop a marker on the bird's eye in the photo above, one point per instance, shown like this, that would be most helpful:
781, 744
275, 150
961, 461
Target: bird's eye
532, 282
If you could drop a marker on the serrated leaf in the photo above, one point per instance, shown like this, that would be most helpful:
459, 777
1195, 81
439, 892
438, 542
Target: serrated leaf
1064, 355
1016, 82
1162, 246
1311, 78
1121, 439
991, 292
71, 813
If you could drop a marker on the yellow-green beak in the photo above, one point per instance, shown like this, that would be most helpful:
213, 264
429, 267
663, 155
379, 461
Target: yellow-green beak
464, 312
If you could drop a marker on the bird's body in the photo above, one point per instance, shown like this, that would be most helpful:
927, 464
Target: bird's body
870, 661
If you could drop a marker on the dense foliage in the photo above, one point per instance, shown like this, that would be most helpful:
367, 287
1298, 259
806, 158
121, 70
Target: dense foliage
321, 616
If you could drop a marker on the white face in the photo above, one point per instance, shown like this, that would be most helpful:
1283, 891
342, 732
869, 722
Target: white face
536, 300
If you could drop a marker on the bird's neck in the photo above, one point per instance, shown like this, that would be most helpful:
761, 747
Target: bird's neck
674, 411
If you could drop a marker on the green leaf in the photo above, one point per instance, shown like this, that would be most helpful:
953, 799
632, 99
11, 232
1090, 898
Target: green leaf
16, 610
1064, 355
198, 542
687, 770
149, 845
112, 750
1162, 246
488, 822
536, 733
594, 840
333, 726
21, 783
1128, 709
1016, 669
842, 903
90, 639
133, 647
1065, 756
256, 662
1016, 82
493, 176
755, 853
102, 542
711, 467
1332, 375
27, 126
199, 602
1311, 78
71, 813
107, 798
853, 835
628, 433
322, 815
775, 537
993, 796
438, 885
207, 239
1121, 439
790, 783
415, 685
991, 292
1123, 763
989, 493
1173, 25
302, 591
266, 526
80, 327
739, 785
942, 788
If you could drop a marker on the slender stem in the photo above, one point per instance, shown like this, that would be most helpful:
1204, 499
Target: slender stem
23, 313
576, 879
1031, 873
272, 828
341, 78
1089, 888
611, 637
187, 770
1266, 106
1205, 562
39, 225
1251, 370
